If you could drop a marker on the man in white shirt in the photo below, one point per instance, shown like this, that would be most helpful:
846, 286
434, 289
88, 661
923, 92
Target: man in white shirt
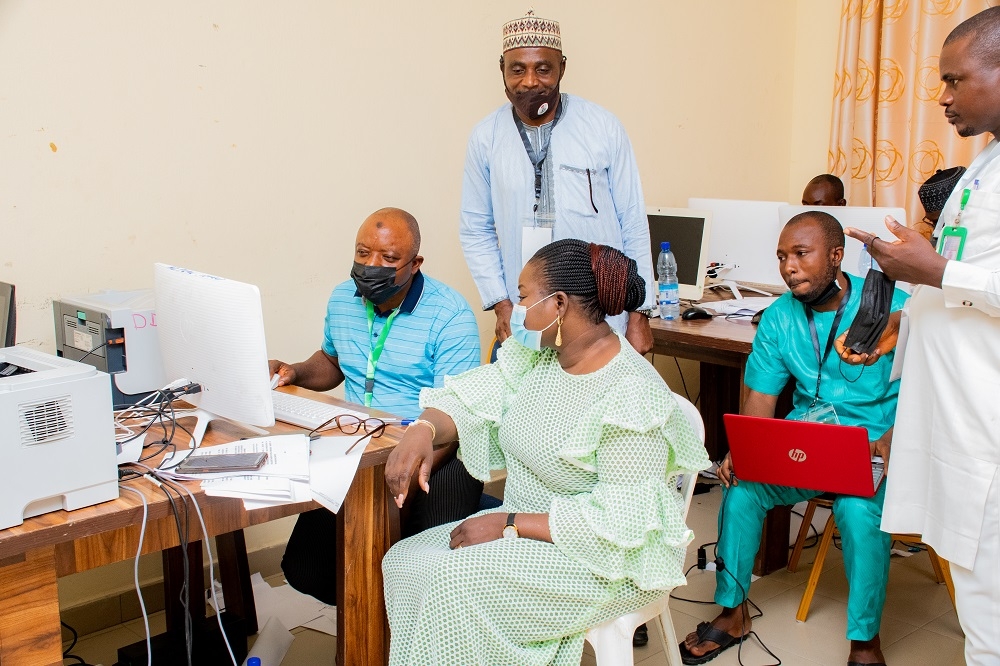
943, 477
544, 167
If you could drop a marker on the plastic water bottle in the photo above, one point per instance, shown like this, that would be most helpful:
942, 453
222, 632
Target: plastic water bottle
865, 262
253, 661
666, 283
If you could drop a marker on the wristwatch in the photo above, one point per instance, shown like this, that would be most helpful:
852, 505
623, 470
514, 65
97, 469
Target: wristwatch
510, 531
648, 312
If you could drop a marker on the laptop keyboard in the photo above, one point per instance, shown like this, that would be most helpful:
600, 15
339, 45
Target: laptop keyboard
306, 413
878, 473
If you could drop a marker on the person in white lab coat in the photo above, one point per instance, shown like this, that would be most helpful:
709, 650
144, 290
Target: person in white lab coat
943, 477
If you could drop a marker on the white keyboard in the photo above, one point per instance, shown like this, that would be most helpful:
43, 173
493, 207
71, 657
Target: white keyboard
306, 413
878, 473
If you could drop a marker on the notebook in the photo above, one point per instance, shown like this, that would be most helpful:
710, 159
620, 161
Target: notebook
814, 456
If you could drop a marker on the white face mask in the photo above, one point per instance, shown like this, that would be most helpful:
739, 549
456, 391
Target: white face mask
527, 337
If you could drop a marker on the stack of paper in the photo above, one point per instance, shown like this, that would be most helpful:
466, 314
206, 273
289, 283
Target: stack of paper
296, 470
740, 306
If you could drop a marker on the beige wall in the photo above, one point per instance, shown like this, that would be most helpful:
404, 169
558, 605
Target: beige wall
249, 139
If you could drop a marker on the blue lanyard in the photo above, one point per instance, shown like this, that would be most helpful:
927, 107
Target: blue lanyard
821, 359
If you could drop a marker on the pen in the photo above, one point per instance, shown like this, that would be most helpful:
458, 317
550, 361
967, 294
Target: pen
274, 381
401, 422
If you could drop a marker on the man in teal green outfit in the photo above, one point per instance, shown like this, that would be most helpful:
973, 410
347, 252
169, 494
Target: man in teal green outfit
794, 340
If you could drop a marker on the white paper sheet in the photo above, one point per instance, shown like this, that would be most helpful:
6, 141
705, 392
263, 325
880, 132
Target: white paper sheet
331, 472
285, 603
272, 643
287, 456
745, 306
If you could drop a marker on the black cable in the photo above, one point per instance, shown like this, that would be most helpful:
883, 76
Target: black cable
103, 344
683, 383
720, 565
182, 536
68, 652
807, 546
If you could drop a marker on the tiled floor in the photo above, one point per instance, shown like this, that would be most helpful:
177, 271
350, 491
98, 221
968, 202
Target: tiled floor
919, 625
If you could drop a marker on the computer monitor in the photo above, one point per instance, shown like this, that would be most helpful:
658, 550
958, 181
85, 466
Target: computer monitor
860, 217
8, 315
688, 231
744, 240
211, 332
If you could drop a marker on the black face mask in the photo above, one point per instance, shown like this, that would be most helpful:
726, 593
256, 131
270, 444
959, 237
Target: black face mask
376, 283
873, 313
831, 290
534, 104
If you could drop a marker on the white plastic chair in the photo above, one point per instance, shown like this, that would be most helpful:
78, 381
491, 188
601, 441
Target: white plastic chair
612, 641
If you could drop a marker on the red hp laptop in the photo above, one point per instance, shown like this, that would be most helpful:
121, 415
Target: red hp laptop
815, 456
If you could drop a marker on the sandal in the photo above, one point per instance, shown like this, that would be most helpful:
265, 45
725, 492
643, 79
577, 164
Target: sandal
706, 632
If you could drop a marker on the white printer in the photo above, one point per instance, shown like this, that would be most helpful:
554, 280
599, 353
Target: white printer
57, 438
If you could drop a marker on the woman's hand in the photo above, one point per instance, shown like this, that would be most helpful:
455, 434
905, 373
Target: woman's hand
413, 455
478, 529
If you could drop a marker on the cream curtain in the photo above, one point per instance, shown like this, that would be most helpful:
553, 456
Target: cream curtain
889, 133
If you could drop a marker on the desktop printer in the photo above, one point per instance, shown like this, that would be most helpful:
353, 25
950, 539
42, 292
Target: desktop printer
114, 331
56, 434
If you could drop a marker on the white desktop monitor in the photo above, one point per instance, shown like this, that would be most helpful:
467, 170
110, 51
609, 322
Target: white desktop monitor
688, 231
211, 332
744, 239
860, 217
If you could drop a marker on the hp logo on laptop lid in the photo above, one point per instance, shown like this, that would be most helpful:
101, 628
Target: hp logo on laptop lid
798, 455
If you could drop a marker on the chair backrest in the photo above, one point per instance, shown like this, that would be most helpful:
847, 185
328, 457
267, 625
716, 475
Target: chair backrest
698, 424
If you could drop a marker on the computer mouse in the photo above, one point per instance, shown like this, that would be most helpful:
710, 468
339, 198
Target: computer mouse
756, 317
696, 313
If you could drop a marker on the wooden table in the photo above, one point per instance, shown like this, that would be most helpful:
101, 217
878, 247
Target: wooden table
33, 555
722, 346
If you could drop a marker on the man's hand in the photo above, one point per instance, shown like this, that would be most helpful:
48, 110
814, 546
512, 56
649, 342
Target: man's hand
881, 447
886, 343
502, 310
479, 529
413, 455
726, 472
638, 333
285, 372
909, 259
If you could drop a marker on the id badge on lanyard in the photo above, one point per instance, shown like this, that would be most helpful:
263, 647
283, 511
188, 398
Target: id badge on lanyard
951, 243
534, 236
819, 410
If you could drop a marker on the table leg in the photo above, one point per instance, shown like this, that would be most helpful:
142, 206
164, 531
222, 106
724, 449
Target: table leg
29, 610
173, 581
363, 524
234, 572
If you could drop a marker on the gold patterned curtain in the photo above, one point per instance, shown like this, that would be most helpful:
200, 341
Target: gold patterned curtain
889, 133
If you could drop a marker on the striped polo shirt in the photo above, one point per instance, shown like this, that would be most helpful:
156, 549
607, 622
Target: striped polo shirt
434, 335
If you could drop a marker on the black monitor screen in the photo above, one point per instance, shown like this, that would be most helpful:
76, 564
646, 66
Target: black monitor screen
685, 235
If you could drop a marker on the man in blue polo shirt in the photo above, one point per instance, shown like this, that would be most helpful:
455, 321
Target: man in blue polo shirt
390, 331
795, 340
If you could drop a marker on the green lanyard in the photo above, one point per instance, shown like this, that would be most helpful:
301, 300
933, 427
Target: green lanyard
375, 350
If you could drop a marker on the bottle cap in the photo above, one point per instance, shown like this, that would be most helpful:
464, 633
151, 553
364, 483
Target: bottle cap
253, 661
665, 246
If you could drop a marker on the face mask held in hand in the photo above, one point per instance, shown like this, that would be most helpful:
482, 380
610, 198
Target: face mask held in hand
527, 337
873, 313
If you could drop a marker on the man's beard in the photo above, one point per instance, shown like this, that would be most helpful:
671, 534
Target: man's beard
819, 295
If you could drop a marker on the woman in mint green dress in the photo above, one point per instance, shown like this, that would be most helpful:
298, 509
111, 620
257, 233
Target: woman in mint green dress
592, 441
